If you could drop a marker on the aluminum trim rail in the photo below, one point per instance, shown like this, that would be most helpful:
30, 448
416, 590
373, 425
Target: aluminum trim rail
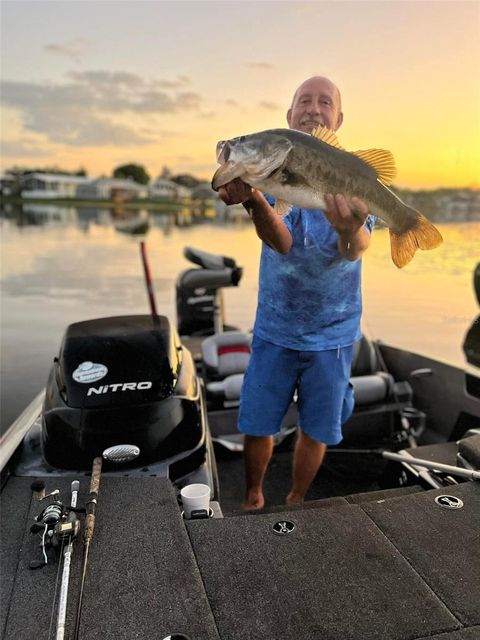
19, 428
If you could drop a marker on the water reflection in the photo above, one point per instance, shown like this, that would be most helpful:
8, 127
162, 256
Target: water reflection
39, 214
124, 219
66, 265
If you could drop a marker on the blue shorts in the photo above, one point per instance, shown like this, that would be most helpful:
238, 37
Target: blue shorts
321, 379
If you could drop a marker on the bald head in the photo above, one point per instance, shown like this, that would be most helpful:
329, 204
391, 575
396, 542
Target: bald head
317, 101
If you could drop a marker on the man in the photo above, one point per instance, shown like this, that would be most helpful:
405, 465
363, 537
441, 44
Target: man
308, 314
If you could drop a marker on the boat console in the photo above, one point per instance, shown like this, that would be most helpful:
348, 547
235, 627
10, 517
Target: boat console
198, 292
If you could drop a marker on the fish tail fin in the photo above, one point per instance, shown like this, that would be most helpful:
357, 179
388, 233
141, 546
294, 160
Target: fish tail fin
422, 235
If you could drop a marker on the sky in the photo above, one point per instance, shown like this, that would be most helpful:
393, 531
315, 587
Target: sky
98, 84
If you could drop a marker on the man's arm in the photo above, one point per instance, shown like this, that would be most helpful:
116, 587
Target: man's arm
268, 224
348, 220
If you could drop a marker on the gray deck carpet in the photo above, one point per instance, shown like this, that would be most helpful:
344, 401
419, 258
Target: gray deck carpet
30, 601
450, 563
278, 482
15, 507
472, 633
143, 581
336, 577
374, 568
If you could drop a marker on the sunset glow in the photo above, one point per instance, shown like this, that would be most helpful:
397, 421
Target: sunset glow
98, 84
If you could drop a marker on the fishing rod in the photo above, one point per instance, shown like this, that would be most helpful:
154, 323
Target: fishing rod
88, 534
57, 525
148, 280
72, 528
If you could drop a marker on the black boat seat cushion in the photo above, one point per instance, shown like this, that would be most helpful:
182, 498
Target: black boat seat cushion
469, 451
226, 353
365, 359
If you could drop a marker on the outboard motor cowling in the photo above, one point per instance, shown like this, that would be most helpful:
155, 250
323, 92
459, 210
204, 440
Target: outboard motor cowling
122, 380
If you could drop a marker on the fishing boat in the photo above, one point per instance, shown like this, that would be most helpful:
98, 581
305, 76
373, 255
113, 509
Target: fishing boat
95, 538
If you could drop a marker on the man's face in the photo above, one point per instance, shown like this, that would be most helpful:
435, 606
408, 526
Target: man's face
317, 102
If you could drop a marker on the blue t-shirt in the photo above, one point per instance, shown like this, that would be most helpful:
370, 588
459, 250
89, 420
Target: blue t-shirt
309, 299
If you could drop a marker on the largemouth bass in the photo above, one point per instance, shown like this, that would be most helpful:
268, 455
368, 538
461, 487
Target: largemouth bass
299, 169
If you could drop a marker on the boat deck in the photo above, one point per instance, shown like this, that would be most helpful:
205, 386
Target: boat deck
364, 567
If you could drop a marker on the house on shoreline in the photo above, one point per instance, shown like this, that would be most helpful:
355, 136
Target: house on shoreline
164, 189
111, 189
50, 185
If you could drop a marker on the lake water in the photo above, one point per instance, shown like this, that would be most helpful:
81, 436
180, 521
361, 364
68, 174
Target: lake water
60, 266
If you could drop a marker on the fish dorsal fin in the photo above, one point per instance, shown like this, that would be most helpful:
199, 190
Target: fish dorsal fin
326, 135
281, 207
381, 161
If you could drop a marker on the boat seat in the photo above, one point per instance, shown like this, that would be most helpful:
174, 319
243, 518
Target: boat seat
373, 388
367, 389
468, 455
226, 355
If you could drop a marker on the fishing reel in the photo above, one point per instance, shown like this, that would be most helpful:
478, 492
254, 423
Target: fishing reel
56, 524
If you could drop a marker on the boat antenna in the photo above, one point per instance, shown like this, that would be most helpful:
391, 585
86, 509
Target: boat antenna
148, 280
88, 533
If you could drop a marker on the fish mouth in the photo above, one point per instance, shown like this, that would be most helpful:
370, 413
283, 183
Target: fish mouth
226, 173
223, 151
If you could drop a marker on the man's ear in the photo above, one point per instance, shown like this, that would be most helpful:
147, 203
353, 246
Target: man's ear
289, 117
339, 120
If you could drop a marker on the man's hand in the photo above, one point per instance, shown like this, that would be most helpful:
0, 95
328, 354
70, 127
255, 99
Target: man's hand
235, 192
348, 219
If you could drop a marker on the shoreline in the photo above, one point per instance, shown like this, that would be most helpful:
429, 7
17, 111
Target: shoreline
163, 205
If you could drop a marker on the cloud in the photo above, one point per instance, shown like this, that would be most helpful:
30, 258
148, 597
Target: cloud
13, 149
96, 132
173, 84
83, 111
123, 91
271, 106
259, 65
71, 49
231, 103
207, 115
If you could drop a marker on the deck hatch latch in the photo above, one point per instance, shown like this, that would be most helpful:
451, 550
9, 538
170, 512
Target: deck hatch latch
283, 527
449, 502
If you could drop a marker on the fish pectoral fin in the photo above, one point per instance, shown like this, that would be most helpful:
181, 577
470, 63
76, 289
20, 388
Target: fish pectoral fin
281, 207
327, 135
423, 235
381, 161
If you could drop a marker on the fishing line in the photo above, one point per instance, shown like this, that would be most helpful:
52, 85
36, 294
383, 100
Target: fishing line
43, 543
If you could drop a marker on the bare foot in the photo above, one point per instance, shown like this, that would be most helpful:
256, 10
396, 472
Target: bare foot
294, 498
253, 502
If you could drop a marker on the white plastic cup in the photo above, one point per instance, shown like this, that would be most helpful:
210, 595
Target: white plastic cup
195, 497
